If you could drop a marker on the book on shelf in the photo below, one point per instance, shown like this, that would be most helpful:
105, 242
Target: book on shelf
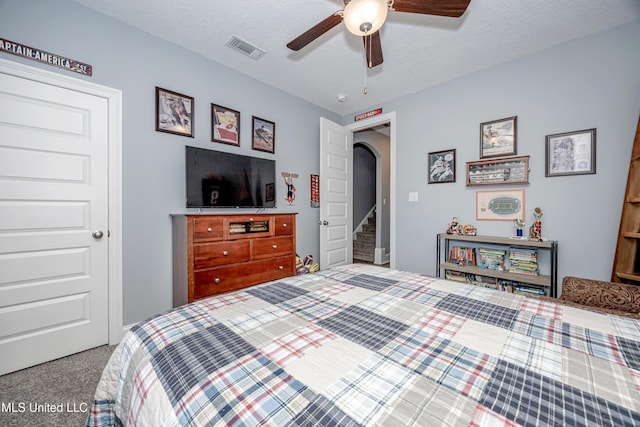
523, 261
483, 281
492, 259
528, 290
456, 276
462, 256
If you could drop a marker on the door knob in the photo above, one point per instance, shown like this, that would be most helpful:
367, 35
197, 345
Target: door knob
324, 222
97, 234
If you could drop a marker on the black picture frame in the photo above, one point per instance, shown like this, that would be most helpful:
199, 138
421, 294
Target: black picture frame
441, 166
570, 153
174, 112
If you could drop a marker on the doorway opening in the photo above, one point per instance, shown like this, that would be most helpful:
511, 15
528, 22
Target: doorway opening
371, 231
381, 128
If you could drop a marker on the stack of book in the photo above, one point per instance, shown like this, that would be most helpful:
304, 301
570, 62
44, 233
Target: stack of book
491, 258
523, 261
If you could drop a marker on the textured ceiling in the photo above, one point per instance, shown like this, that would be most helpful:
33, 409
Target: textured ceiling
419, 50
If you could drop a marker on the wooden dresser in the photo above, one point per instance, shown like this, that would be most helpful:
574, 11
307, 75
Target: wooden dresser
219, 253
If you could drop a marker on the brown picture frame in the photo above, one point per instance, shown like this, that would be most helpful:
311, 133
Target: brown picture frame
174, 112
263, 135
225, 125
508, 170
499, 138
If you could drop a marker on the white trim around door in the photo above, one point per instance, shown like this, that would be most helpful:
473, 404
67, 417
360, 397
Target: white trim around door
114, 233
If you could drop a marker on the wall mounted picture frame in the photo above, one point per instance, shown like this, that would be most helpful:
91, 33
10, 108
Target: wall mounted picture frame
498, 138
174, 112
502, 205
442, 166
507, 170
225, 125
263, 135
570, 153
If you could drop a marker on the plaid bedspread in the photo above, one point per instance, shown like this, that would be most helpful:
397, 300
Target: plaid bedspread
364, 345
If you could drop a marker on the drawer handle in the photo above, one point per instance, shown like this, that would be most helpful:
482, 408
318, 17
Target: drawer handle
225, 253
284, 225
275, 246
281, 267
209, 229
250, 219
217, 280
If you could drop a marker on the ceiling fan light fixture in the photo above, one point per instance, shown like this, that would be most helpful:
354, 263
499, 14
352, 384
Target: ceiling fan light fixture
362, 17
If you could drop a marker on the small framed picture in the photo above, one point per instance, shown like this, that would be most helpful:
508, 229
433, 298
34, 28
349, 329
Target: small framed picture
263, 135
499, 138
442, 166
174, 112
225, 125
571, 153
503, 205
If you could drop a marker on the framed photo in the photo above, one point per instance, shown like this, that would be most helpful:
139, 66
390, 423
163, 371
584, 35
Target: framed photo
263, 135
571, 153
225, 125
174, 112
499, 138
503, 205
508, 170
442, 166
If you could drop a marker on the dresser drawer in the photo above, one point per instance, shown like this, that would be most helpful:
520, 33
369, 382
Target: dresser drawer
206, 255
207, 229
274, 246
224, 279
285, 225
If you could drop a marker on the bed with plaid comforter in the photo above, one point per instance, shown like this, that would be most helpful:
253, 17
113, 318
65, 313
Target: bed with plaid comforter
364, 345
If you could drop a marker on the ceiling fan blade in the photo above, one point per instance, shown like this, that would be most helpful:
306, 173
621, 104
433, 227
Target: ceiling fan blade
452, 8
373, 49
314, 32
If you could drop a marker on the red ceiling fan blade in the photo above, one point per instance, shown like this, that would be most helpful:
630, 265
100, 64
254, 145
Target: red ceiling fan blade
452, 8
314, 32
373, 49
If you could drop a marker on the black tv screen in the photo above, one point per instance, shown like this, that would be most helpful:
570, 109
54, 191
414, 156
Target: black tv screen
217, 179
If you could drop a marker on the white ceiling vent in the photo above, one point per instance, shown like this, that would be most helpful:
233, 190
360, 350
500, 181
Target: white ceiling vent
244, 47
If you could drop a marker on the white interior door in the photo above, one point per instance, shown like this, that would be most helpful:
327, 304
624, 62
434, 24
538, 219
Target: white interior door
336, 185
53, 222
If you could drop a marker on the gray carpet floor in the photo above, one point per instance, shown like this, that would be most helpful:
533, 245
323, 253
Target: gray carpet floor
56, 393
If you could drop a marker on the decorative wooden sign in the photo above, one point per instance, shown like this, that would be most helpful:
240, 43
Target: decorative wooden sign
44, 57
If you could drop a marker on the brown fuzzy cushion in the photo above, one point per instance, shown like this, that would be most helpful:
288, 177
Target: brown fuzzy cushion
600, 294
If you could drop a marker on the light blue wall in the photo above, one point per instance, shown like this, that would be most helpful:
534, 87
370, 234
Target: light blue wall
592, 82
153, 162
589, 82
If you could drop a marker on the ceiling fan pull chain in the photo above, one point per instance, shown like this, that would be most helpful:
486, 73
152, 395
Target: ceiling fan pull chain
365, 68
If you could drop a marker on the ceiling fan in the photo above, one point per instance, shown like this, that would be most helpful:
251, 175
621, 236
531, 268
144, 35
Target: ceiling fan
365, 17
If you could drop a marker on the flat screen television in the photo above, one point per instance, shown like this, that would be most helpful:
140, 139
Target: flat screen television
216, 179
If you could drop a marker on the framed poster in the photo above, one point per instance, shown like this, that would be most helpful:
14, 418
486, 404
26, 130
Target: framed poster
225, 125
263, 135
503, 205
442, 166
499, 138
174, 112
571, 153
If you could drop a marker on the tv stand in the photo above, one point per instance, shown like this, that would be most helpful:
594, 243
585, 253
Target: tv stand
218, 253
